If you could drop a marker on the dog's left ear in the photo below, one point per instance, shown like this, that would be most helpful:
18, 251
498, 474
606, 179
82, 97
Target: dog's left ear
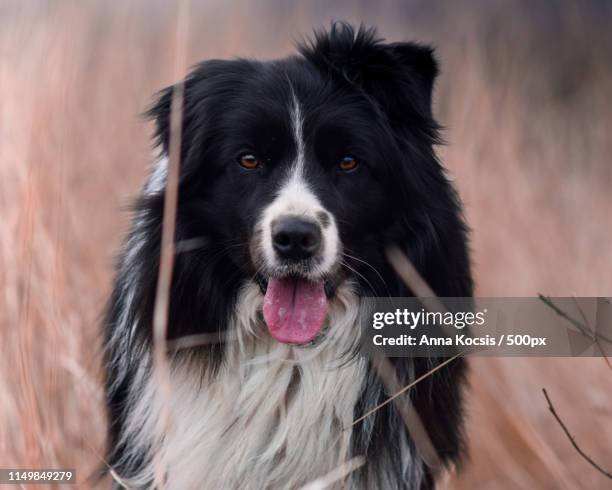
399, 77
420, 68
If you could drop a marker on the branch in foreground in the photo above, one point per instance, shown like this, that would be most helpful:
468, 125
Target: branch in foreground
592, 330
552, 410
585, 328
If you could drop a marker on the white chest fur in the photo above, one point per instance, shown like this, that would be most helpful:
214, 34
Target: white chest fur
273, 415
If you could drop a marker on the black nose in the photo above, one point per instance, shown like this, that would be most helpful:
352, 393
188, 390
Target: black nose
295, 238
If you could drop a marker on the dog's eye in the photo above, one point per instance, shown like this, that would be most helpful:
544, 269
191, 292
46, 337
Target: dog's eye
347, 164
248, 161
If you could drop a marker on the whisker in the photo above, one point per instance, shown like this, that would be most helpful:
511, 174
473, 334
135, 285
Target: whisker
342, 262
371, 267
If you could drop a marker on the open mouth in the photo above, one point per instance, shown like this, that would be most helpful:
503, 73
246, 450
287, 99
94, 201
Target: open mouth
295, 308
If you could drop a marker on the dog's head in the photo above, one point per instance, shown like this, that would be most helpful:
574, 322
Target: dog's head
298, 171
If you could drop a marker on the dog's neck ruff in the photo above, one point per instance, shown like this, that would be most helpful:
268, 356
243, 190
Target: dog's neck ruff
272, 416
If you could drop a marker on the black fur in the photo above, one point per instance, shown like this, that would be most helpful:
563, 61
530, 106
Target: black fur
359, 95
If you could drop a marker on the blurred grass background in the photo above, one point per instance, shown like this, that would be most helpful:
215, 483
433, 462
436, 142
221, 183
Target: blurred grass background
524, 96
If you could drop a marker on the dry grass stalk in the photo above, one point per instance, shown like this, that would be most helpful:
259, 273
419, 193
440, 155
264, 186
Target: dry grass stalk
407, 387
336, 475
111, 471
405, 407
198, 339
415, 282
167, 249
166, 266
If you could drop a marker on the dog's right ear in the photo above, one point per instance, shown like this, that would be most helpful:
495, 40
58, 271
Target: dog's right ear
205, 91
159, 113
197, 91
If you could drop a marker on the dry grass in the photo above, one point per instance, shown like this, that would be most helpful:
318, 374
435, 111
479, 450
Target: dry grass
525, 98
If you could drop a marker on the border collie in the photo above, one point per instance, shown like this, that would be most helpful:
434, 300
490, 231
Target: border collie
296, 174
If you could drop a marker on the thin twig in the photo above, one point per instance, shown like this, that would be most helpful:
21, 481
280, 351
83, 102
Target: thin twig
406, 388
411, 418
546, 300
552, 410
592, 331
584, 330
582, 315
114, 475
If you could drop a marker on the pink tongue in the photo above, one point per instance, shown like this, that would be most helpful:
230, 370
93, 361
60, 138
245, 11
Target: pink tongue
294, 309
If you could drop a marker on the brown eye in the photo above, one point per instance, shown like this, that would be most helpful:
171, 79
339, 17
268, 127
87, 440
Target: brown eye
347, 164
248, 161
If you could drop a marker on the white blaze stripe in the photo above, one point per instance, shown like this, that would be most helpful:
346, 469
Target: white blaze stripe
297, 122
296, 198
